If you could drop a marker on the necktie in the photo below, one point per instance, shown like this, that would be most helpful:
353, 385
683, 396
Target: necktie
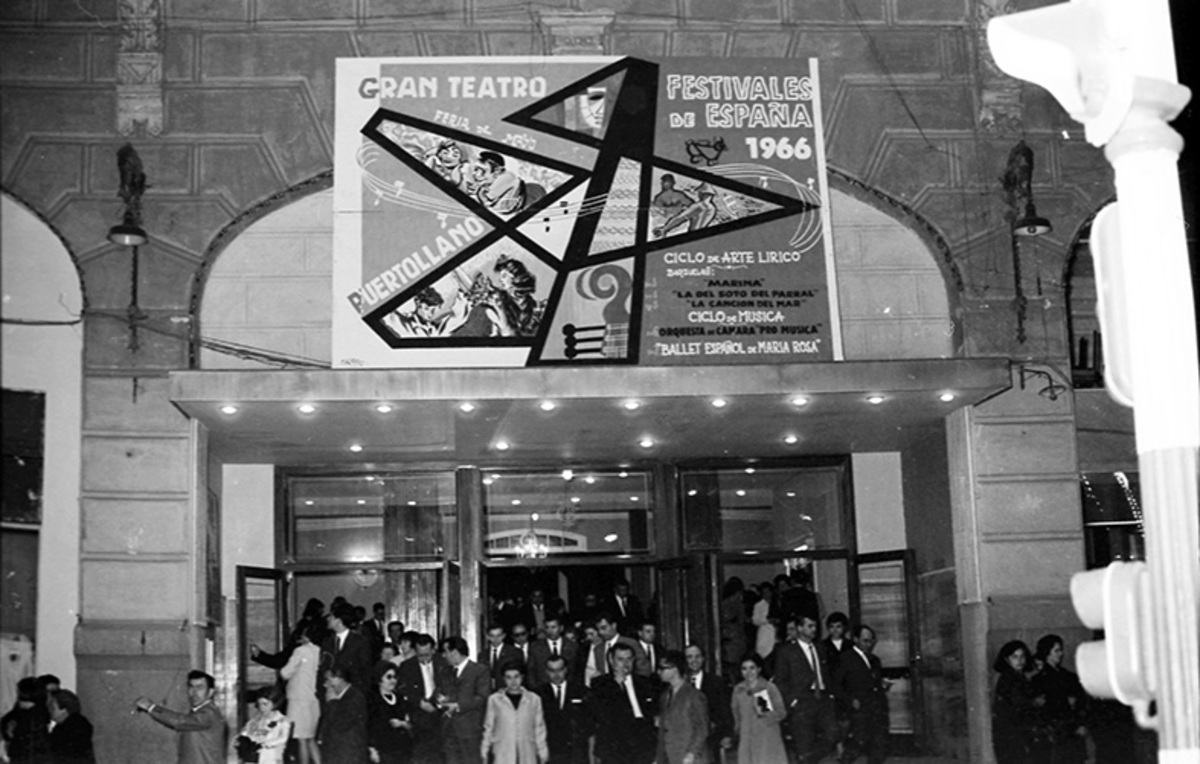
637, 710
696, 681
495, 655
812, 656
558, 695
554, 648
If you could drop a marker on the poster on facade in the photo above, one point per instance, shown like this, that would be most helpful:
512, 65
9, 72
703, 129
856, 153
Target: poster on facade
580, 211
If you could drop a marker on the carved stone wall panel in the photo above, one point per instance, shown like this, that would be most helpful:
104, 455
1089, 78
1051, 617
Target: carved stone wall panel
182, 12
188, 223
239, 174
42, 56
770, 11
761, 44
704, 43
85, 11
908, 165
106, 347
406, 12
380, 44
283, 115
634, 42
309, 10
36, 111
930, 11
447, 43
180, 57
168, 166
46, 171
513, 43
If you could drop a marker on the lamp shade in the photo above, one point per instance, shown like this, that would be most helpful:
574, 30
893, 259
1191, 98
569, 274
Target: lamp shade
1030, 224
127, 235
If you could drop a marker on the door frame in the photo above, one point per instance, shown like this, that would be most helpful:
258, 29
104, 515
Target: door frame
281, 580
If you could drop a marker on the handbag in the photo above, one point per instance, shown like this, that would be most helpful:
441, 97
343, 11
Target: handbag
247, 749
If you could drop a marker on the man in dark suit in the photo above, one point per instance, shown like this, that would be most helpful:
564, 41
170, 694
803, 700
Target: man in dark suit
568, 726
462, 692
606, 625
716, 692
554, 643
498, 652
540, 607
343, 729
800, 599
375, 630
416, 680
625, 607
803, 681
623, 705
346, 647
859, 687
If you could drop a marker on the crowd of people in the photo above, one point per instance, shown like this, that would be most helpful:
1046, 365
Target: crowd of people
592, 686
46, 725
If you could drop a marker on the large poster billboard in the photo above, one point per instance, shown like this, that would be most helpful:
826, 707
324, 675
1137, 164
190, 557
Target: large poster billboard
577, 211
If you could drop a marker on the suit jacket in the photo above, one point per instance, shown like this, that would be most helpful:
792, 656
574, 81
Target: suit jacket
567, 728
551, 608
343, 729
470, 691
411, 685
794, 675
620, 736
539, 653
720, 712
632, 617
514, 734
201, 732
508, 653
355, 657
682, 725
640, 662
71, 741
832, 654
853, 680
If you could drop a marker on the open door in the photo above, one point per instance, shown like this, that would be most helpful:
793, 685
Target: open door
683, 608
887, 586
262, 619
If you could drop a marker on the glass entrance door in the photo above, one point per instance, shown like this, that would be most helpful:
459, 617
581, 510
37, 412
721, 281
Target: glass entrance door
262, 620
887, 603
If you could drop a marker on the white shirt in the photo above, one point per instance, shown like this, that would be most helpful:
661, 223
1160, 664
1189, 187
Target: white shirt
633, 701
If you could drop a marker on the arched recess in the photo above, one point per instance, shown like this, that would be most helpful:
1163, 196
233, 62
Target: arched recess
267, 300
43, 303
1083, 322
239, 347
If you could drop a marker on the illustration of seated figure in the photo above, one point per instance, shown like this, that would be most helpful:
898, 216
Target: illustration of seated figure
670, 200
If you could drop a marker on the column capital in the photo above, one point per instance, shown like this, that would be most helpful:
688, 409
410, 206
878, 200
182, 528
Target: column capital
576, 32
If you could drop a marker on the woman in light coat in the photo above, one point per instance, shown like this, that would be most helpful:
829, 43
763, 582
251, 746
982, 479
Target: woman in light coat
514, 729
304, 709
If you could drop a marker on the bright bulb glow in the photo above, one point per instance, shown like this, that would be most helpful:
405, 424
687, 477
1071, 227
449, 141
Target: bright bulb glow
791, 494
875, 400
487, 481
384, 408
631, 405
791, 440
466, 407
574, 499
633, 498
412, 502
355, 447
502, 445
799, 400
610, 538
306, 408
229, 409
946, 397
646, 443
719, 403
623, 474
308, 502
692, 492
568, 474
740, 492
534, 517
516, 502
361, 502
590, 479
749, 470
547, 405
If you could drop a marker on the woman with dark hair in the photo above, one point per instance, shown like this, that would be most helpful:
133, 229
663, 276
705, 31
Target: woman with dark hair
758, 711
389, 731
314, 614
71, 738
1016, 718
269, 728
514, 311
514, 728
1066, 702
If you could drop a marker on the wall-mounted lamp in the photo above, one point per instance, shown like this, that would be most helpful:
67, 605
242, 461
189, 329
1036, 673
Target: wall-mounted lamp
1018, 184
129, 232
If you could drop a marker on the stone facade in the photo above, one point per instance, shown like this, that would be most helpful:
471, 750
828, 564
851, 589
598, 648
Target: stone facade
246, 127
